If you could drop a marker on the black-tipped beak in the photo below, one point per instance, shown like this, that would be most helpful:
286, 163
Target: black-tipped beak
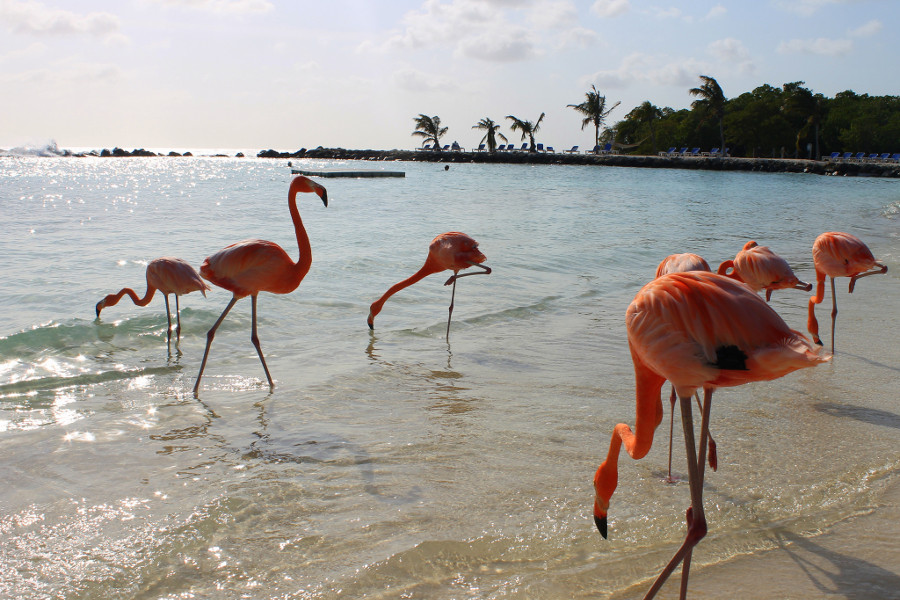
324, 196
601, 525
371, 325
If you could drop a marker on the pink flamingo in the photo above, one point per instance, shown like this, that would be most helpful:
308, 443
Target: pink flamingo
760, 268
253, 266
838, 254
169, 276
452, 250
697, 330
682, 263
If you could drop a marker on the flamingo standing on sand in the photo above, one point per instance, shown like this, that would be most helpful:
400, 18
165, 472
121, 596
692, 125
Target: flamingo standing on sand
838, 254
169, 276
452, 250
697, 330
681, 263
253, 266
760, 268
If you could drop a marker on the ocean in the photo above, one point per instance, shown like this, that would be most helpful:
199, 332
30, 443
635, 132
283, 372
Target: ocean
396, 463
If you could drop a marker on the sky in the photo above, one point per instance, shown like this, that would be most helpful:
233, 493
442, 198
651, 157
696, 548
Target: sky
281, 74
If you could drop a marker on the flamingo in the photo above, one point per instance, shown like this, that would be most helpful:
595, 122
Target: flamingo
452, 250
838, 254
760, 268
681, 263
170, 276
697, 330
253, 266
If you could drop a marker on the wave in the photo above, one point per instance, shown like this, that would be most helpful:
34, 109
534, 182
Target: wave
45, 149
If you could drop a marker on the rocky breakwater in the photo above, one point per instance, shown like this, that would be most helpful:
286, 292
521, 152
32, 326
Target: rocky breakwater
767, 165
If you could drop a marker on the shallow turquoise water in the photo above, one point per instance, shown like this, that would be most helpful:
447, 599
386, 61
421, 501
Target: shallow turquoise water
394, 463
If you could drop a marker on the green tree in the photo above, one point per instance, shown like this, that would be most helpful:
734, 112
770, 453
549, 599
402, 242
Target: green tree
594, 110
711, 103
527, 128
649, 114
429, 128
487, 124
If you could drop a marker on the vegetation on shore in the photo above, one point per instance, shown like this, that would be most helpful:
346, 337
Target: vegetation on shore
769, 122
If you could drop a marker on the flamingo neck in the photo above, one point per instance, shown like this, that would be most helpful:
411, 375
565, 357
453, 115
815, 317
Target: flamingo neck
305, 259
430, 267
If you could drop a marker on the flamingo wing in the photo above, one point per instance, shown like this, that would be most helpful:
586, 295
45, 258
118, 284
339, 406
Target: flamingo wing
249, 267
174, 276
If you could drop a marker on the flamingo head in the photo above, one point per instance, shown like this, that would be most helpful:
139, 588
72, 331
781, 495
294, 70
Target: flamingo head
301, 183
605, 481
107, 301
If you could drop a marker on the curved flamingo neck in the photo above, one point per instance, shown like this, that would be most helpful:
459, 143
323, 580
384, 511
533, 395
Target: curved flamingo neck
430, 267
113, 299
723, 270
305, 259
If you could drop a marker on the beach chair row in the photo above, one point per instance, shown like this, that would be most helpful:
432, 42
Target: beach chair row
694, 152
862, 157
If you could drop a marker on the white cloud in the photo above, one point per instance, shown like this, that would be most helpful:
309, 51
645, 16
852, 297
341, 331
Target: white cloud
729, 49
639, 68
507, 46
34, 18
233, 7
715, 12
867, 30
554, 14
821, 46
809, 7
610, 8
414, 80
70, 72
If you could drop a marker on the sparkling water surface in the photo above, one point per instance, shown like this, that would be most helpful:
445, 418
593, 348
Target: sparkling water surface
396, 463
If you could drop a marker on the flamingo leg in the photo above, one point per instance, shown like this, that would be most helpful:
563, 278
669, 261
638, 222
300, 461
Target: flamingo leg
486, 270
696, 520
834, 311
168, 319
672, 398
177, 319
450, 315
209, 338
882, 269
255, 339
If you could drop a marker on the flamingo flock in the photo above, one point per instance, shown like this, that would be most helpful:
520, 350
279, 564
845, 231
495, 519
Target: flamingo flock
697, 329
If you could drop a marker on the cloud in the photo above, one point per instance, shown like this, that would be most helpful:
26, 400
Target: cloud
867, 30
639, 68
34, 18
610, 8
554, 14
733, 51
72, 72
231, 7
414, 80
820, 46
809, 7
715, 12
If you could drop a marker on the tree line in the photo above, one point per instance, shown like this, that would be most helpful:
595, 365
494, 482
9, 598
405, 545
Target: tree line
768, 122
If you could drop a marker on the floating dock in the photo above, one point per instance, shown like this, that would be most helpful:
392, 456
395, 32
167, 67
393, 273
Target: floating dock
347, 173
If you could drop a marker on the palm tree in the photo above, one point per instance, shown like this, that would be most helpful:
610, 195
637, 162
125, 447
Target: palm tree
430, 129
647, 113
712, 102
488, 125
594, 110
528, 129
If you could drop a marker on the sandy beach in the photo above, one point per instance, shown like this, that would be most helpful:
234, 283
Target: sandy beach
808, 568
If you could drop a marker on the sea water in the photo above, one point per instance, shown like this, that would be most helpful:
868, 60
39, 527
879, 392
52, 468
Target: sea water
397, 463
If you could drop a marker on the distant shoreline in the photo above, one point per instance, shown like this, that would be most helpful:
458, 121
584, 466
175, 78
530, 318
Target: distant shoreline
767, 165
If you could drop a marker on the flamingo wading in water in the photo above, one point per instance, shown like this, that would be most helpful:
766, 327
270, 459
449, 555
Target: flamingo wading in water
681, 263
697, 330
760, 268
253, 266
452, 250
838, 254
170, 276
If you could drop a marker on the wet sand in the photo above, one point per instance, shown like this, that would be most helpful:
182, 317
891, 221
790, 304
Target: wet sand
834, 564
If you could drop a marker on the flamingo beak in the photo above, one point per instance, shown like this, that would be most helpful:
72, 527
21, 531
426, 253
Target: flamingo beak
324, 196
802, 285
600, 520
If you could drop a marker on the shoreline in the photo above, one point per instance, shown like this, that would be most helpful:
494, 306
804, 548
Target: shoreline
766, 165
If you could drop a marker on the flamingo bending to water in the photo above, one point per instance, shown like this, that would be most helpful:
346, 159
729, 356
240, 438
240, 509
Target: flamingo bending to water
838, 254
452, 250
681, 263
697, 330
170, 276
253, 266
760, 268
